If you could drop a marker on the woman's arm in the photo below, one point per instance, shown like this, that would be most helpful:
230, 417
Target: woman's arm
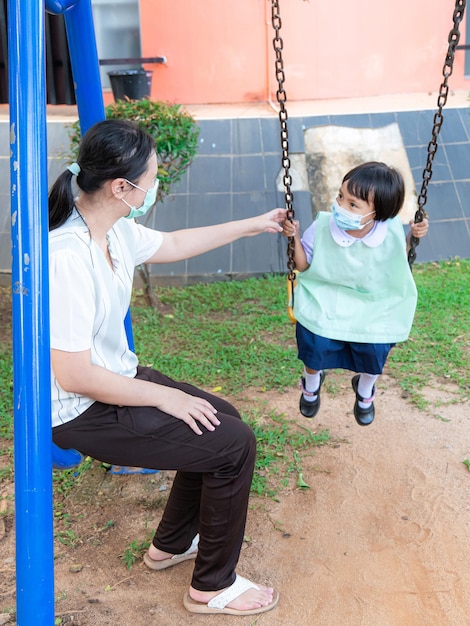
75, 373
184, 244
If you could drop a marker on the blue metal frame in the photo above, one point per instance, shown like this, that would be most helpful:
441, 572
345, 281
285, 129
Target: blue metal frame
30, 282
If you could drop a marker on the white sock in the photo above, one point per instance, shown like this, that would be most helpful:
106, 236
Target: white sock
312, 382
365, 388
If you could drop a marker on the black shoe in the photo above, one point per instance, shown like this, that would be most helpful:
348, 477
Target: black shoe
364, 417
310, 409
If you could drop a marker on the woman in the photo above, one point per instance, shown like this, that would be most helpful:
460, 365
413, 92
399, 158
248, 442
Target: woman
112, 409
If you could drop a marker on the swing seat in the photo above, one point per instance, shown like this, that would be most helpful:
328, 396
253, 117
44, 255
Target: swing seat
65, 459
68, 459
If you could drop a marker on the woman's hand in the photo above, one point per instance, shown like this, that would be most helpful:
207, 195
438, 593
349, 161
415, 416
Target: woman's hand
419, 229
268, 222
194, 411
76, 373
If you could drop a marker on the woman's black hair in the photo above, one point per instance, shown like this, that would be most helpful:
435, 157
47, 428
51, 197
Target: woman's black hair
110, 149
379, 183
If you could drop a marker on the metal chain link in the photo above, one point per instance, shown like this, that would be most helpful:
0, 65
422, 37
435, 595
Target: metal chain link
282, 98
453, 40
447, 70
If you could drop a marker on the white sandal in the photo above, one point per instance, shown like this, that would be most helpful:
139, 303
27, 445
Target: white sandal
190, 553
218, 604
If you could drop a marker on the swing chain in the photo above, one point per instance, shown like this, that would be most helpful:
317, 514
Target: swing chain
281, 98
447, 70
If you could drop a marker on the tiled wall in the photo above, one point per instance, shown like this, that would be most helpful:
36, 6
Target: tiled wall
234, 176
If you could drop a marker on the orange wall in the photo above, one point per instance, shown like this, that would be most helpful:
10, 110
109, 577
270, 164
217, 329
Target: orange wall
221, 52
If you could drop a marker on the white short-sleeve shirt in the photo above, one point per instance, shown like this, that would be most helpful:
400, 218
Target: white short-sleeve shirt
89, 299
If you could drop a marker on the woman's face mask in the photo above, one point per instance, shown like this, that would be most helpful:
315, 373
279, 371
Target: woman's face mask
149, 201
346, 220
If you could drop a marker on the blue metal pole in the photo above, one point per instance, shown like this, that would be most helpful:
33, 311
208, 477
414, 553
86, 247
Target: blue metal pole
30, 295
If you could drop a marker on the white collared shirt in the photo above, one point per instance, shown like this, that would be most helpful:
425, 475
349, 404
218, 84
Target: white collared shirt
89, 299
372, 239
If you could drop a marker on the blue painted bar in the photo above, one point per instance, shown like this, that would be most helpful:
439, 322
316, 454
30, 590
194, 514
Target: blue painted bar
30, 284
30, 296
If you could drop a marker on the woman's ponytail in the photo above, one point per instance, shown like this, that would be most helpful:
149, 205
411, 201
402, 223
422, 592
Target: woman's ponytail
61, 200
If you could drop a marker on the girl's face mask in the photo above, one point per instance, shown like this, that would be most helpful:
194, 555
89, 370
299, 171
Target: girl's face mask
346, 220
149, 201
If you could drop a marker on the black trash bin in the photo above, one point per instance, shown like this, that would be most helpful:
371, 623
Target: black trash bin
133, 84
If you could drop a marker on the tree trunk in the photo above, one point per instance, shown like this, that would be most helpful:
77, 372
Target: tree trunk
149, 294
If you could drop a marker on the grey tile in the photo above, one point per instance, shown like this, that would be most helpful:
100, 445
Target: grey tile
262, 253
246, 137
169, 269
5, 138
415, 127
303, 208
248, 173
361, 120
417, 157
382, 119
171, 214
58, 140
210, 208
5, 251
211, 174
463, 193
446, 241
55, 166
205, 211
182, 186
465, 117
442, 201
272, 167
458, 156
452, 129
271, 136
315, 121
295, 135
5, 217
215, 137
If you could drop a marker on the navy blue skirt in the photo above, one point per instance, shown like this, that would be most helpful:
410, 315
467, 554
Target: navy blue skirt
320, 353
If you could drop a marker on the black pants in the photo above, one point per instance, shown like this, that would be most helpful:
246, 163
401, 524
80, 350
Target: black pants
214, 472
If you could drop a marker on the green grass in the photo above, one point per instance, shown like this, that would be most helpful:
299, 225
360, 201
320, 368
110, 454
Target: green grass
438, 348
230, 334
236, 335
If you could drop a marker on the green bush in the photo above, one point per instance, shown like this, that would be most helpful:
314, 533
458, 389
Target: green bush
173, 129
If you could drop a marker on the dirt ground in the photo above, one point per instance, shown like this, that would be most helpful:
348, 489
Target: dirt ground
380, 539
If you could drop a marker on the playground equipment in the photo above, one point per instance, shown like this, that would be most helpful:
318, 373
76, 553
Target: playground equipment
281, 96
30, 284
31, 347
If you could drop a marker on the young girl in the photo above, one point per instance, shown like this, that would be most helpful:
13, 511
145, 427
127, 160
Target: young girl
355, 295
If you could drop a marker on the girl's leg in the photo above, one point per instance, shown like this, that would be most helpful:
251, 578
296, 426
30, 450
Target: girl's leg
310, 385
364, 411
312, 382
365, 388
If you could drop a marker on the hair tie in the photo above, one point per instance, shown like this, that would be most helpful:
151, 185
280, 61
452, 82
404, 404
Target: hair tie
74, 168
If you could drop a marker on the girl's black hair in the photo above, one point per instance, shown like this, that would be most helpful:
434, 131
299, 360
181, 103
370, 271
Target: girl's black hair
110, 149
379, 183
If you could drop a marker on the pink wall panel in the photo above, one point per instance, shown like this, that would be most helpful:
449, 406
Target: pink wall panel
216, 50
221, 52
